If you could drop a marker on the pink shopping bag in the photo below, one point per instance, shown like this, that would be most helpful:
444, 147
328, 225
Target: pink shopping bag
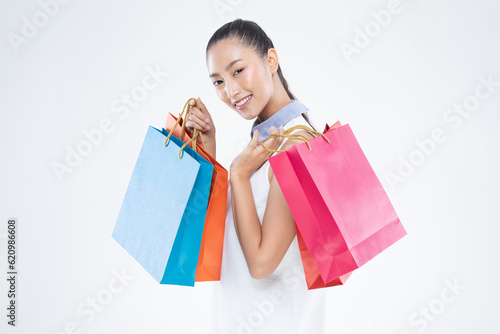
339, 205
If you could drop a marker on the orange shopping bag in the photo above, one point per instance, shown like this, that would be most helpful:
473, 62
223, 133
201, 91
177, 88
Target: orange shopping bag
209, 261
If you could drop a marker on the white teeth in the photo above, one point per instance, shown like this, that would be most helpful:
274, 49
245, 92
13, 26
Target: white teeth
243, 101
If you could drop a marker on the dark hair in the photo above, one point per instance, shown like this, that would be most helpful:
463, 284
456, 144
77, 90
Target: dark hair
250, 34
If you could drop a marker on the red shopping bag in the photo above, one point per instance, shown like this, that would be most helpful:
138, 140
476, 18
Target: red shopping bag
329, 128
339, 206
313, 278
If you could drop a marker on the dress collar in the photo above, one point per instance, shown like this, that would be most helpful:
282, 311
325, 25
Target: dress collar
283, 116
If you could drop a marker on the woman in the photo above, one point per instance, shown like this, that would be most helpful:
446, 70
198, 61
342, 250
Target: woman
262, 287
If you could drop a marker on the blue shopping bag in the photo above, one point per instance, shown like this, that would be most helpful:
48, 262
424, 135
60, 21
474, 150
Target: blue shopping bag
162, 216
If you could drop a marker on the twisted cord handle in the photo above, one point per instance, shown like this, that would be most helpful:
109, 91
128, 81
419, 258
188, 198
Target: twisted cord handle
289, 135
183, 129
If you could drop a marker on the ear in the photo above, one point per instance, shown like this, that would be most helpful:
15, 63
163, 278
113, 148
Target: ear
272, 60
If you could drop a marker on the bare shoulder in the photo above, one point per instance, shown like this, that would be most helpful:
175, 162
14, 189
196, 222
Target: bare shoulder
289, 143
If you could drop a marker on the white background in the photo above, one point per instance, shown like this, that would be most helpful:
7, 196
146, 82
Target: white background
64, 78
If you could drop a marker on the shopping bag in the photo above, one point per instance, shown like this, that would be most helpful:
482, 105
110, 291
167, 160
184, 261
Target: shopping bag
338, 204
313, 278
210, 257
162, 216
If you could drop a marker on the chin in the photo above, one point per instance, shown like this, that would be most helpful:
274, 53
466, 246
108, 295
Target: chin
248, 117
243, 113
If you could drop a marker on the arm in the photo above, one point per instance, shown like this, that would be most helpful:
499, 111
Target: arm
263, 246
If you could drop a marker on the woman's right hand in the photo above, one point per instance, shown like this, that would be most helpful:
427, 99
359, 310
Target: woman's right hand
199, 118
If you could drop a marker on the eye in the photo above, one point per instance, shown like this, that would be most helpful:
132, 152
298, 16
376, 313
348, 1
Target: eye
217, 82
238, 71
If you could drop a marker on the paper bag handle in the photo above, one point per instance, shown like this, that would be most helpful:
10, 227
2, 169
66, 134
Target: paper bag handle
183, 128
289, 135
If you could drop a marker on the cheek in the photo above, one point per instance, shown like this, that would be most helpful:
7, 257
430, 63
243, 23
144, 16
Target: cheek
262, 81
252, 80
220, 94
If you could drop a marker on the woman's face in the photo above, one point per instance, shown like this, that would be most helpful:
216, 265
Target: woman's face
241, 78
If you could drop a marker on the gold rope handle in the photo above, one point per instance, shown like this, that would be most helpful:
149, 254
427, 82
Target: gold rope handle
177, 122
285, 136
196, 131
289, 135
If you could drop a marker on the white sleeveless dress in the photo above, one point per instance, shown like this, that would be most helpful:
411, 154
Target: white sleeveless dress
279, 303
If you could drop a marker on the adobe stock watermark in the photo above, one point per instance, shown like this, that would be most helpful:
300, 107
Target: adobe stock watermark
31, 26
223, 6
453, 116
364, 36
89, 309
427, 314
122, 107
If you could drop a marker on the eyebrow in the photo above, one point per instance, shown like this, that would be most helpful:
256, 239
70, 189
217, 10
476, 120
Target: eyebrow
227, 67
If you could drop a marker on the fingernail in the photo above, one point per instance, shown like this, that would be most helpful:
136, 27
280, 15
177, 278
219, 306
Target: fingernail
206, 119
207, 127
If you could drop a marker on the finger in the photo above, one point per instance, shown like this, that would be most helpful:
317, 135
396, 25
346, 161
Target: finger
275, 142
281, 132
206, 115
198, 113
194, 125
194, 118
272, 129
255, 139
192, 105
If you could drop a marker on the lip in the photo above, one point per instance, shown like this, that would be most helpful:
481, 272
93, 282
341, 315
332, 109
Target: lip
246, 103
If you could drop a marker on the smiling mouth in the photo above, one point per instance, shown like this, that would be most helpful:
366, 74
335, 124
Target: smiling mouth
243, 102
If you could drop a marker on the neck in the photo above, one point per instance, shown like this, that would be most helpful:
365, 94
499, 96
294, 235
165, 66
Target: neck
277, 102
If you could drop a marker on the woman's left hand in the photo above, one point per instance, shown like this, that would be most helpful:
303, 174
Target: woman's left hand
254, 155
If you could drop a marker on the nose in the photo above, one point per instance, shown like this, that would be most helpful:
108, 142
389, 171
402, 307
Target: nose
232, 89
